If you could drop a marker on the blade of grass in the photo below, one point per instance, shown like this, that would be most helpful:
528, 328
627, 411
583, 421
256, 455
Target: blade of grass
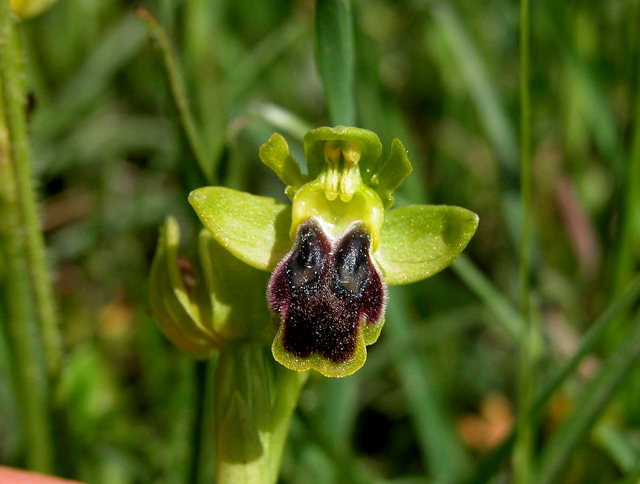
246, 72
616, 444
281, 119
209, 48
482, 287
16, 122
477, 79
339, 408
78, 97
594, 336
179, 91
442, 451
556, 455
351, 468
596, 104
335, 57
523, 451
626, 260
589, 341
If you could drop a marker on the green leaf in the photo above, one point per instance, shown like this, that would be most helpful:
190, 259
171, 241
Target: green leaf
275, 154
335, 57
393, 172
177, 315
254, 229
418, 241
369, 145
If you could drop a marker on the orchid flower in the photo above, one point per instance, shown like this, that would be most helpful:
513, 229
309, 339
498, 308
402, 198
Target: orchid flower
331, 252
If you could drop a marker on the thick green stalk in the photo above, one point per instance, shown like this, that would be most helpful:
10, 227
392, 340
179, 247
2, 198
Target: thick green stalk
22, 325
254, 401
15, 100
523, 453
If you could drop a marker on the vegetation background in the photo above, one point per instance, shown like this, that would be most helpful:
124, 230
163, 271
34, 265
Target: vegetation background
438, 394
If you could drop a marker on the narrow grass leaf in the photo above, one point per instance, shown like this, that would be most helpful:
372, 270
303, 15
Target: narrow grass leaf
590, 339
477, 78
556, 455
481, 286
335, 57
442, 450
248, 70
179, 91
118, 46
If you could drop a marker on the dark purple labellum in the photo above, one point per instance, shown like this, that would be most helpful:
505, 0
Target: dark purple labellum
323, 292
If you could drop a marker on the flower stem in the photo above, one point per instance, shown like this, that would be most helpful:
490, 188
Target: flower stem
523, 453
15, 100
22, 326
254, 401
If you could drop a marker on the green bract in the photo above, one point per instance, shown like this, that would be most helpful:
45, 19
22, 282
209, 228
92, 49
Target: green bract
336, 246
225, 302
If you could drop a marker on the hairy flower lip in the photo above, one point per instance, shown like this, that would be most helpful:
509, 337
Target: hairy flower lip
336, 308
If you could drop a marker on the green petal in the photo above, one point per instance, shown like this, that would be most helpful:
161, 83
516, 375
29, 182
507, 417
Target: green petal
236, 293
418, 241
393, 172
275, 154
254, 229
368, 141
179, 318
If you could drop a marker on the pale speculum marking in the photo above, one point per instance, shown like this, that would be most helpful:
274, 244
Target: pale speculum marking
323, 292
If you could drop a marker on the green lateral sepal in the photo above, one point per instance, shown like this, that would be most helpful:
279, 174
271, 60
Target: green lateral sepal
254, 229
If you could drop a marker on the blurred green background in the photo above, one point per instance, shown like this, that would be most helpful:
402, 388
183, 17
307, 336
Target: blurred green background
437, 394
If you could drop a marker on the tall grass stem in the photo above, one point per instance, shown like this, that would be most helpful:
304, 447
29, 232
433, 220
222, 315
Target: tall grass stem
523, 452
15, 105
21, 321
